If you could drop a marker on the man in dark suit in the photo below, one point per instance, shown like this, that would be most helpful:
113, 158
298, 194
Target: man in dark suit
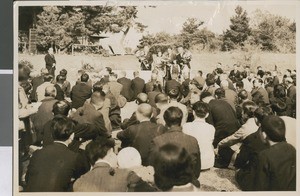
274, 168
50, 62
173, 117
35, 82
44, 113
60, 95
137, 85
52, 168
140, 135
221, 116
126, 82
81, 92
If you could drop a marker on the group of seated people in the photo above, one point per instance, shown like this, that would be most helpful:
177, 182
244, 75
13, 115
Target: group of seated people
73, 138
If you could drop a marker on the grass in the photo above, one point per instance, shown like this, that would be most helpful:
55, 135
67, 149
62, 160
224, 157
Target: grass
211, 180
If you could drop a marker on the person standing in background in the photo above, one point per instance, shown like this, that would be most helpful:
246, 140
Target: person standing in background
50, 62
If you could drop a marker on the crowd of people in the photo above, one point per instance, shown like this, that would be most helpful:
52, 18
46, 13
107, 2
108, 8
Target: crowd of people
74, 138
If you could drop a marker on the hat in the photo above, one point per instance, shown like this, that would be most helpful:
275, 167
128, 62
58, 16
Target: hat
129, 157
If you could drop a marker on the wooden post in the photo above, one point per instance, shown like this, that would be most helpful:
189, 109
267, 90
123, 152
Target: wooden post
72, 49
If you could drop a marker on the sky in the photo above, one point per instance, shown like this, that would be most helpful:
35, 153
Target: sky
216, 15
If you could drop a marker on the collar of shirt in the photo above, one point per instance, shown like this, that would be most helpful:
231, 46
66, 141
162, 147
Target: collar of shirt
199, 120
175, 128
101, 161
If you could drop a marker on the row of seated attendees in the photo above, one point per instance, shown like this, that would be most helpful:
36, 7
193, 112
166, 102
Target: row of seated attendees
178, 129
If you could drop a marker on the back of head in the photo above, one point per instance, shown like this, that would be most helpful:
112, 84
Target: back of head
63, 72
161, 98
204, 95
142, 98
50, 91
173, 167
280, 108
60, 79
220, 93
210, 80
84, 77
243, 95
261, 112
98, 148
173, 116
129, 157
173, 93
201, 109
62, 127
61, 107
249, 108
274, 128
239, 84
48, 77
145, 110
279, 91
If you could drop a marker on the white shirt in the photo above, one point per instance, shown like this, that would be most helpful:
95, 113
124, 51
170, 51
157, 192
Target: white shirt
290, 130
204, 134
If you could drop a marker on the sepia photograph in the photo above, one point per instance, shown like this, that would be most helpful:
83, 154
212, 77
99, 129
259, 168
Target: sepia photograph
155, 96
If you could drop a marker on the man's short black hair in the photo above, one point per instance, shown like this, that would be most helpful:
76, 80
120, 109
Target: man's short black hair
173, 116
210, 79
201, 109
48, 77
98, 148
205, 94
243, 94
274, 127
61, 107
220, 93
173, 93
239, 84
261, 112
62, 128
84, 77
63, 72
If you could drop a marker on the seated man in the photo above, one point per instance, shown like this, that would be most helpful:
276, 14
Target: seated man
275, 167
140, 135
104, 176
52, 168
173, 118
203, 132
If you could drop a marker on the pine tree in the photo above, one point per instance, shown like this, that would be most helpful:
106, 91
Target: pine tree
238, 31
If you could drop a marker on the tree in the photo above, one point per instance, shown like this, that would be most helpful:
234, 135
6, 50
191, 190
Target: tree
238, 31
63, 24
274, 32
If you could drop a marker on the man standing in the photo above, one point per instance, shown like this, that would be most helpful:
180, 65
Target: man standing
50, 62
137, 85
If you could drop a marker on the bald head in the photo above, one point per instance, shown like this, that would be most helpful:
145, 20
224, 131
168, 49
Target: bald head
50, 91
144, 111
142, 98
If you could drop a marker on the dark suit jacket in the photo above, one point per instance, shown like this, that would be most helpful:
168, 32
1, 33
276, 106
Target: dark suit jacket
172, 84
137, 86
49, 59
185, 87
175, 135
51, 169
60, 95
139, 136
99, 179
79, 94
43, 115
87, 114
223, 118
126, 91
271, 173
35, 83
